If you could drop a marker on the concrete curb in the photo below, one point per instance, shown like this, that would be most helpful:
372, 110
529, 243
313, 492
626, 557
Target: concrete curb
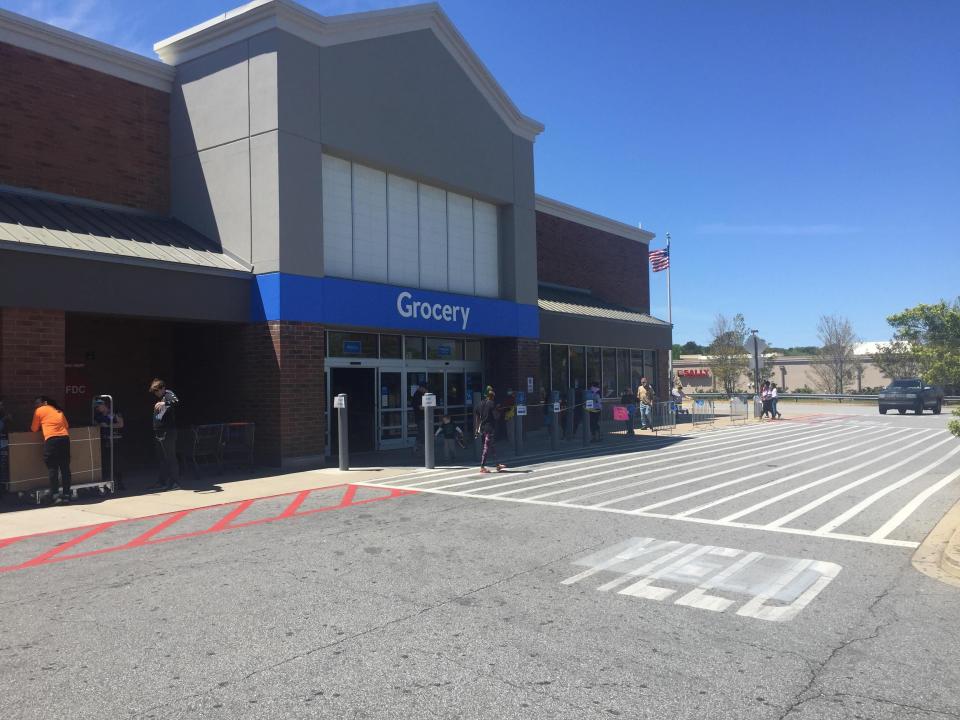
938, 556
950, 561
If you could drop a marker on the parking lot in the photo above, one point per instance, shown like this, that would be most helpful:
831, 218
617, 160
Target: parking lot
841, 473
760, 571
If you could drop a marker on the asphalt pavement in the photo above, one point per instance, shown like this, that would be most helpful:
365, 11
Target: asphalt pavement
755, 572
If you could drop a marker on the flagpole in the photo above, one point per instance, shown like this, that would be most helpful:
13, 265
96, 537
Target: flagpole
670, 320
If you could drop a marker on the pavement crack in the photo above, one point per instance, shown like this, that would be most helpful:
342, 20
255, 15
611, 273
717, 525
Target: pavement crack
807, 693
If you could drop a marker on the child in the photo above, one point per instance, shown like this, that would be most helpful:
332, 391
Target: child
452, 436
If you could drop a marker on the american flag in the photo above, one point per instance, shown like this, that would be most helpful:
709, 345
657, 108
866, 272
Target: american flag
660, 259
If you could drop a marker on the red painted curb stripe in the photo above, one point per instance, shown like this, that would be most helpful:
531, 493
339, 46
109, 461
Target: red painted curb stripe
225, 521
145, 537
44, 557
348, 496
149, 537
297, 502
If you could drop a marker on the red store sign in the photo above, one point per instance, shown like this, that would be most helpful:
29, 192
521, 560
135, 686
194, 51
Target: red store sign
694, 372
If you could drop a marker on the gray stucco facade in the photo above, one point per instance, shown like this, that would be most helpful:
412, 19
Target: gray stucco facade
251, 120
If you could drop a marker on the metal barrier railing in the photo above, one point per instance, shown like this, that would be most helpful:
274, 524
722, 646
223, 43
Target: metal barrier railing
739, 410
703, 412
664, 416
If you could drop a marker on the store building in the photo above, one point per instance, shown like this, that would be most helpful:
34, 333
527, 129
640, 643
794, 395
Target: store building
289, 206
792, 373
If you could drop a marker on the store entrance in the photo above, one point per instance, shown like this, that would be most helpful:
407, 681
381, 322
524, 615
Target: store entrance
359, 386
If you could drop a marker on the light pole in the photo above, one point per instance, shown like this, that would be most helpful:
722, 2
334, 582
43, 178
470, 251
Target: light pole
756, 363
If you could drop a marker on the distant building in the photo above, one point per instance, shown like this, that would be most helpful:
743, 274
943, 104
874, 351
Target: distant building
790, 372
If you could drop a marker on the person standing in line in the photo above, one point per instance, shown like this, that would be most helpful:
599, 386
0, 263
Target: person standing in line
165, 435
774, 413
417, 401
645, 400
49, 418
629, 401
104, 416
594, 395
486, 423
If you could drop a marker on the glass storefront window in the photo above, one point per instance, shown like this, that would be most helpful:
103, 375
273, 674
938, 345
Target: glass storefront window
560, 368
473, 387
455, 396
650, 367
352, 345
578, 367
473, 350
594, 370
413, 348
390, 347
545, 379
623, 372
391, 391
609, 373
636, 367
444, 349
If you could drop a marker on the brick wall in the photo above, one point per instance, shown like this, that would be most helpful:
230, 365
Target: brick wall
31, 360
510, 361
613, 268
283, 388
70, 130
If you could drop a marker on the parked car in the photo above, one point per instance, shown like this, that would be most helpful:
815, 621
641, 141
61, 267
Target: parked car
910, 394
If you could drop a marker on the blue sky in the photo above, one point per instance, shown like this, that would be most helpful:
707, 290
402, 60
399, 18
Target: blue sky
805, 156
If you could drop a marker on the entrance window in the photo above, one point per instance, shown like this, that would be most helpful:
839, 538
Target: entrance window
623, 372
413, 348
560, 368
473, 387
545, 379
352, 345
609, 372
578, 367
593, 365
390, 347
455, 396
444, 349
636, 367
650, 366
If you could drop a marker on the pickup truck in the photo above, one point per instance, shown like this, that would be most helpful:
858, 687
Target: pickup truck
910, 394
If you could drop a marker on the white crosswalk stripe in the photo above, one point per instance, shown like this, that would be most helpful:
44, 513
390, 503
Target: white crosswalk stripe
745, 473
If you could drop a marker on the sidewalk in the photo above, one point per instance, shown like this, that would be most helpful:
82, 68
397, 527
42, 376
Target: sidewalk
195, 494
366, 467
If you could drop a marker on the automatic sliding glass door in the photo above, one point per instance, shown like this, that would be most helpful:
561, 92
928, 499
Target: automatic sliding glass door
391, 403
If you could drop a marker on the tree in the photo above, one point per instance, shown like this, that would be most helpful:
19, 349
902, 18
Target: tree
728, 360
836, 364
897, 359
929, 337
692, 348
